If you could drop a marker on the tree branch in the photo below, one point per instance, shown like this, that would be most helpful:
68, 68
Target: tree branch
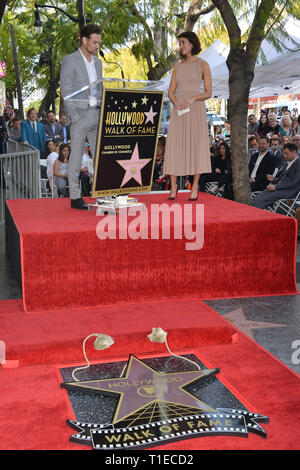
162, 67
257, 32
230, 21
194, 12
110, 14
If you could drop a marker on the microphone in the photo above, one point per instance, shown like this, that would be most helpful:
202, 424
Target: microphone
115, 63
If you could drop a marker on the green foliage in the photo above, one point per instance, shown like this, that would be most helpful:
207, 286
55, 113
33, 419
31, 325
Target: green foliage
133, 69
143, 31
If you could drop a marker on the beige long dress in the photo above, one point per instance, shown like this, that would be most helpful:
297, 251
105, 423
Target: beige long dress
187, 147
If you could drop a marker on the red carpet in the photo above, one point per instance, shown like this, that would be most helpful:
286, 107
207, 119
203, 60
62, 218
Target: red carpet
63, 262
34, 408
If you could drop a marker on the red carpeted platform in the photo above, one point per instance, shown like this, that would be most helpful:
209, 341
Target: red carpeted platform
246, 252
34, 408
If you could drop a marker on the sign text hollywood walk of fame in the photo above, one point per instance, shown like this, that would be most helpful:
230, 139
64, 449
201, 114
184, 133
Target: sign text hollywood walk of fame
155, 407
127, 138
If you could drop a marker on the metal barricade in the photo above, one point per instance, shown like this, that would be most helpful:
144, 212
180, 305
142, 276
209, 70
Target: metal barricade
19, 174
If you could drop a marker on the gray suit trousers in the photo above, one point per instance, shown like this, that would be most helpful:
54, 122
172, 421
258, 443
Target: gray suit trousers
85, 127
266, 197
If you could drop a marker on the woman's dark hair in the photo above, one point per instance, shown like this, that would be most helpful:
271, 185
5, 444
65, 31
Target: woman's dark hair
215, 129
60, 152
267, 119
263, 125
227, 150
193, 38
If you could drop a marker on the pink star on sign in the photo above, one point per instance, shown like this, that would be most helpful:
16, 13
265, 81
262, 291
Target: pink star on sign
133, 166
150, 115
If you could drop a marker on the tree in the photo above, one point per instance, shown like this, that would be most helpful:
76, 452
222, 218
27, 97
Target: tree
144, 27
167, 17
265, 19
241, 61
59, 37
3, 5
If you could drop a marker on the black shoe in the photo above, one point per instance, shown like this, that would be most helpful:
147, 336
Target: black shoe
78, 204
194, 198
171, 198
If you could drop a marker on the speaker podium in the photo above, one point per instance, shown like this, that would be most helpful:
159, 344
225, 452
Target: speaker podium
129, 119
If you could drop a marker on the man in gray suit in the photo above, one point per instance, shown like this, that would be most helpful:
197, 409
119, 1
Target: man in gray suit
52, 128
287, 183
79, 69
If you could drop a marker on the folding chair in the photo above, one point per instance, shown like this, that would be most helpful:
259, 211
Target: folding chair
210, 185
286, 206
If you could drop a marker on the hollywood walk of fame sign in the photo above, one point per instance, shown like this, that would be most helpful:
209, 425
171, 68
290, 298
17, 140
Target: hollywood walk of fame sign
153, 408
126, 145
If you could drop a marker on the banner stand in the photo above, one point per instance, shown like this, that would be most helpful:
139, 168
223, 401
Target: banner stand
129, 119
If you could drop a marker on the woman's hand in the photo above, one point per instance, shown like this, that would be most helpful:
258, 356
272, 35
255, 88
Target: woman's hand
184, 105
179, 106
188, 102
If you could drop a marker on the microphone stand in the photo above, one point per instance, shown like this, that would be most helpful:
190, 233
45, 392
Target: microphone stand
115, 63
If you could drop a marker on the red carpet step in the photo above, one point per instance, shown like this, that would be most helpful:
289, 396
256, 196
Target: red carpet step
34, 408
245, 252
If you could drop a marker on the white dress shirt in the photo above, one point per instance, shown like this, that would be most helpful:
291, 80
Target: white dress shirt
91, 70
290, 163
257, 163
33, 125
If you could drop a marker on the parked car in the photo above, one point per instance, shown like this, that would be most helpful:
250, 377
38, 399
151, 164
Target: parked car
214, 119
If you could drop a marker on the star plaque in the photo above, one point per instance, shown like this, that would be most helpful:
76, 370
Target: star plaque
153, 407
133, 166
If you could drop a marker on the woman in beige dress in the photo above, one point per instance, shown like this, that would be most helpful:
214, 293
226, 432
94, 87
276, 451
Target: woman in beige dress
187, 147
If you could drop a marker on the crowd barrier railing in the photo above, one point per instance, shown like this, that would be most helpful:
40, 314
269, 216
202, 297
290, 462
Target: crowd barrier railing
19, 174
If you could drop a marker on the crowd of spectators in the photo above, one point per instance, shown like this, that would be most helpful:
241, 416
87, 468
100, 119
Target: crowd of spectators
51, 136
267, 137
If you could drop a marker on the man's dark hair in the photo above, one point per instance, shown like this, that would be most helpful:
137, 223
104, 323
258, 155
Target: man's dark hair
291, 147
193, 38
90, 29
264, 137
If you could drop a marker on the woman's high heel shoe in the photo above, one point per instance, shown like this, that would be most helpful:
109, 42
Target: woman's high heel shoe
171, 198
194, 198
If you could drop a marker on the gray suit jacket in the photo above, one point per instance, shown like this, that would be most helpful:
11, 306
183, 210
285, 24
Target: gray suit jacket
73, 76
289, 179
58, 132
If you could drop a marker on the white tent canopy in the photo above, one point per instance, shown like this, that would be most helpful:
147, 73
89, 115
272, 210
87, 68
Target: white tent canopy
281, 75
